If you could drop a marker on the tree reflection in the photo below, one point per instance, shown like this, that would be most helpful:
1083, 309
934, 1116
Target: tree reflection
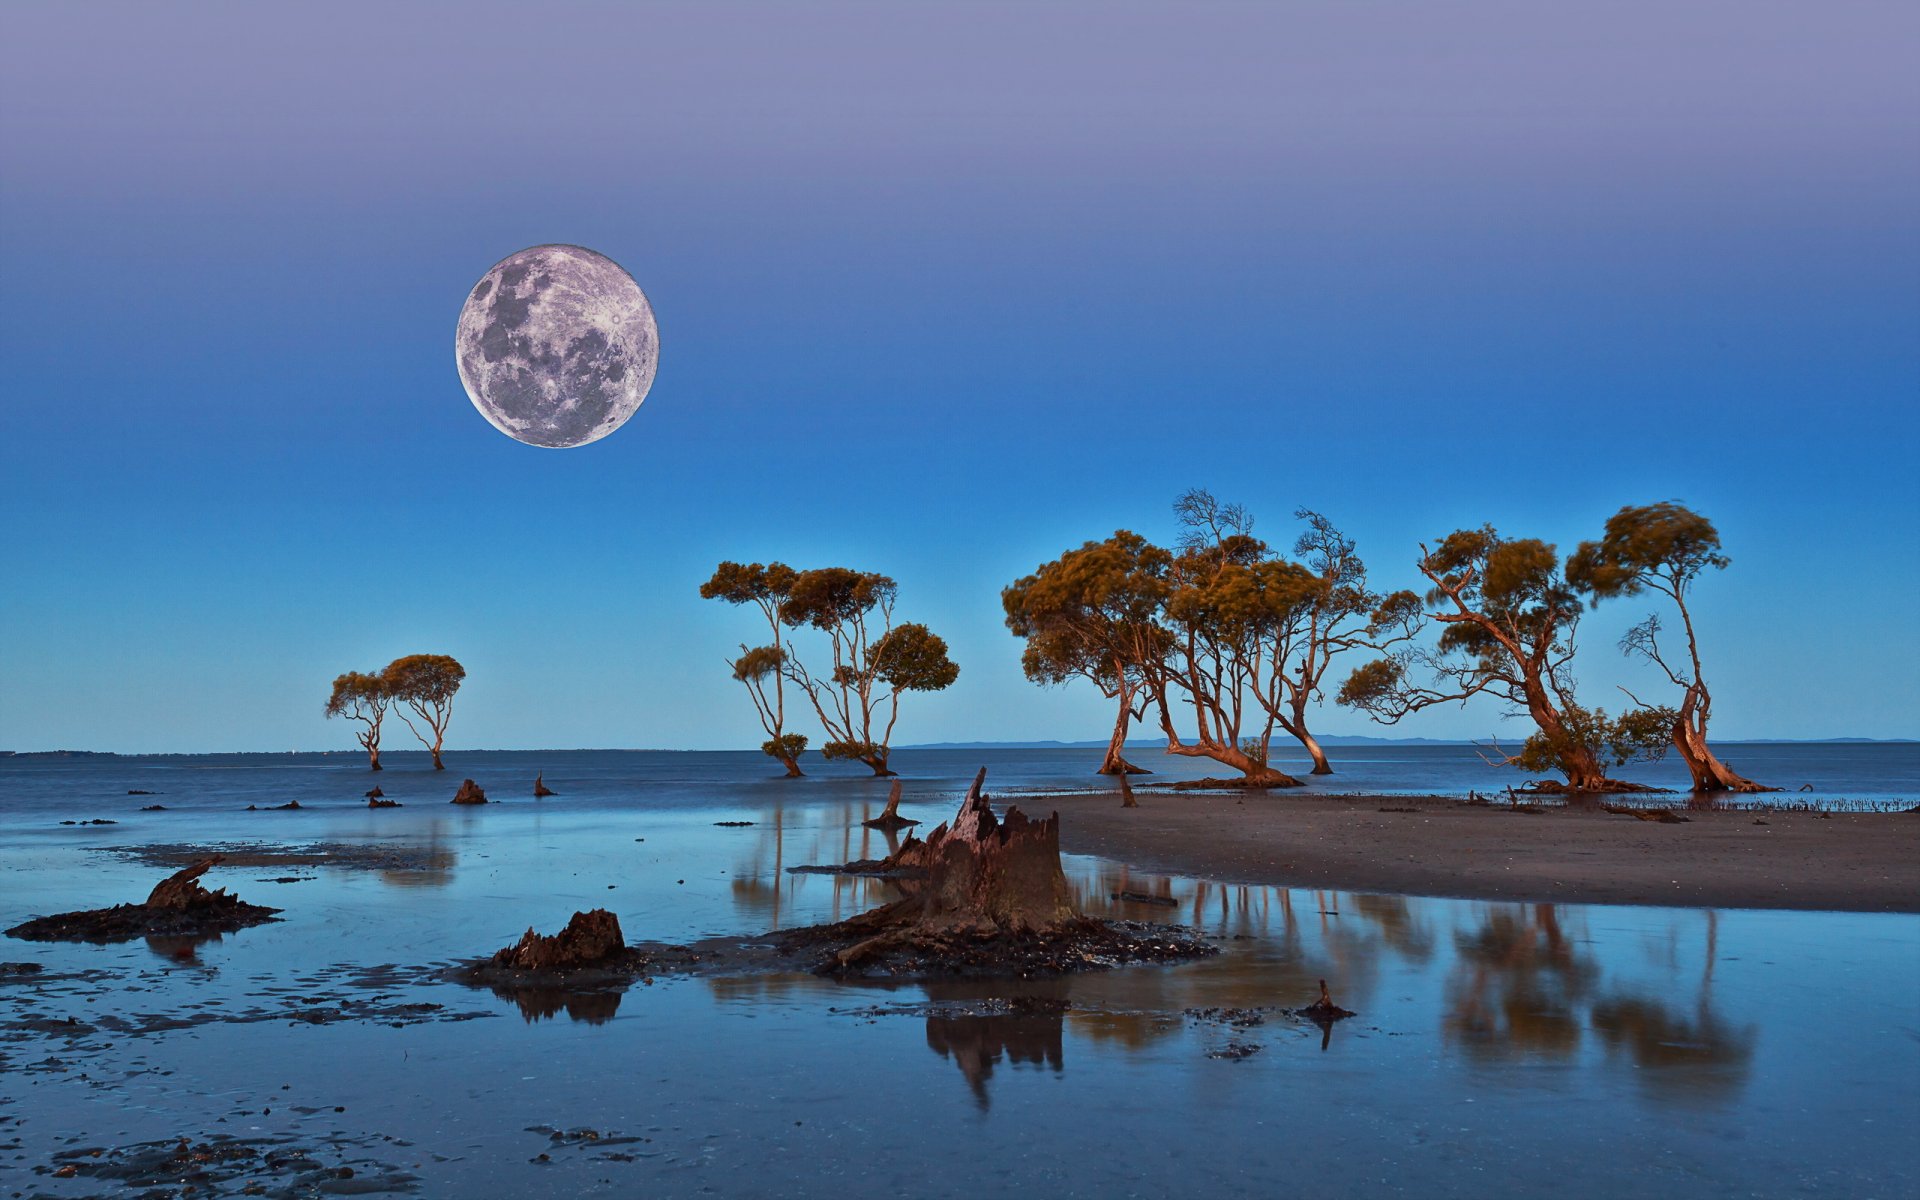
181, 949
543, 1003
1685, 1056
1030, 1035
1517, 985
433, 868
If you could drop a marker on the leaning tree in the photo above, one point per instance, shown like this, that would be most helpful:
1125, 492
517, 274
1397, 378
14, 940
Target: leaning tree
761, 669
872, 660
1508, 620
1664, 547
426, 683
1093, 613
360, 697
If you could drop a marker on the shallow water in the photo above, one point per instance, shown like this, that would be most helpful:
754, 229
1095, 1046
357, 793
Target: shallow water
1500, 1050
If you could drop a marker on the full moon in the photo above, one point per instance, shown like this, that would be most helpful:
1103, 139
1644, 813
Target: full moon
557, 346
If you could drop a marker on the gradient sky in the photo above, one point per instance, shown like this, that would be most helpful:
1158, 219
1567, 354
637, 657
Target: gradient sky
943, 291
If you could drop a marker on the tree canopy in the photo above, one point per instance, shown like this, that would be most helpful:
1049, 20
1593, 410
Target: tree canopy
426, 683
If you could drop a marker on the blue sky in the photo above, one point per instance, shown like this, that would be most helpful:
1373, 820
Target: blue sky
942, 292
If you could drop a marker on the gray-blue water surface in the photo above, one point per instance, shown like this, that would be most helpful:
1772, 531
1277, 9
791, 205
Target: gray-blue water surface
1500, 1050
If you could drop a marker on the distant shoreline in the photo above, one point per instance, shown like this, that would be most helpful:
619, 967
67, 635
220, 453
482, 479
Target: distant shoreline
1352, 741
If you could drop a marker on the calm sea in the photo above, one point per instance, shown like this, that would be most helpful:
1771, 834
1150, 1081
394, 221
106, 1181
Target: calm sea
1839, 774
1502, 1050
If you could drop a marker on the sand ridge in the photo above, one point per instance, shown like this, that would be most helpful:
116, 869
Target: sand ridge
1858, 862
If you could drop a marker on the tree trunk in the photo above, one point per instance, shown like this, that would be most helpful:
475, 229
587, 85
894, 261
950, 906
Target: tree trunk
1320, 764
1233, 756
891, 818
1709, 773
793, 766
879, 764
437, 764
1578, 762
374, 764
1583, 770
1114, 762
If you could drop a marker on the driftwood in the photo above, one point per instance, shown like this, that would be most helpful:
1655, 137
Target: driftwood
469, 793
891, 818
178, 906
540, 788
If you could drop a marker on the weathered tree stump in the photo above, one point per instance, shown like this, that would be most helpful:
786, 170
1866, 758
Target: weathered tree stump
375, 793
590, 939
891, 818
469, 793
540, 788
181, 890
984, 877
177, 907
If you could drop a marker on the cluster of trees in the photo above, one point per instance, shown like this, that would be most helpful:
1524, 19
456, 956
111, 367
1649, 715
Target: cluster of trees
1226, 642
417, 686
1222, 640
864, 662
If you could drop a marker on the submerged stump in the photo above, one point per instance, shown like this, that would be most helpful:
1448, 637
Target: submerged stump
891, 818
590, 939
540, 788
469, 793
582, 969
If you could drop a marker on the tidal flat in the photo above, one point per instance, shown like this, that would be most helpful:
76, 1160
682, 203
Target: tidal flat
1502, 1047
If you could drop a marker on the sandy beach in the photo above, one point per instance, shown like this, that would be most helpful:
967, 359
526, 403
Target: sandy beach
1852, 862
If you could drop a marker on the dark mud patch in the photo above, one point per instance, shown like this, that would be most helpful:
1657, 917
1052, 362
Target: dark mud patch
1086, 945
124, 922
65, 1008
220, 1165
871, 868
594, 1144
352, 856
988, 1006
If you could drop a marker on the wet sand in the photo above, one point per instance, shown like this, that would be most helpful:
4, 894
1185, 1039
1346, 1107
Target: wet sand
1850, 862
